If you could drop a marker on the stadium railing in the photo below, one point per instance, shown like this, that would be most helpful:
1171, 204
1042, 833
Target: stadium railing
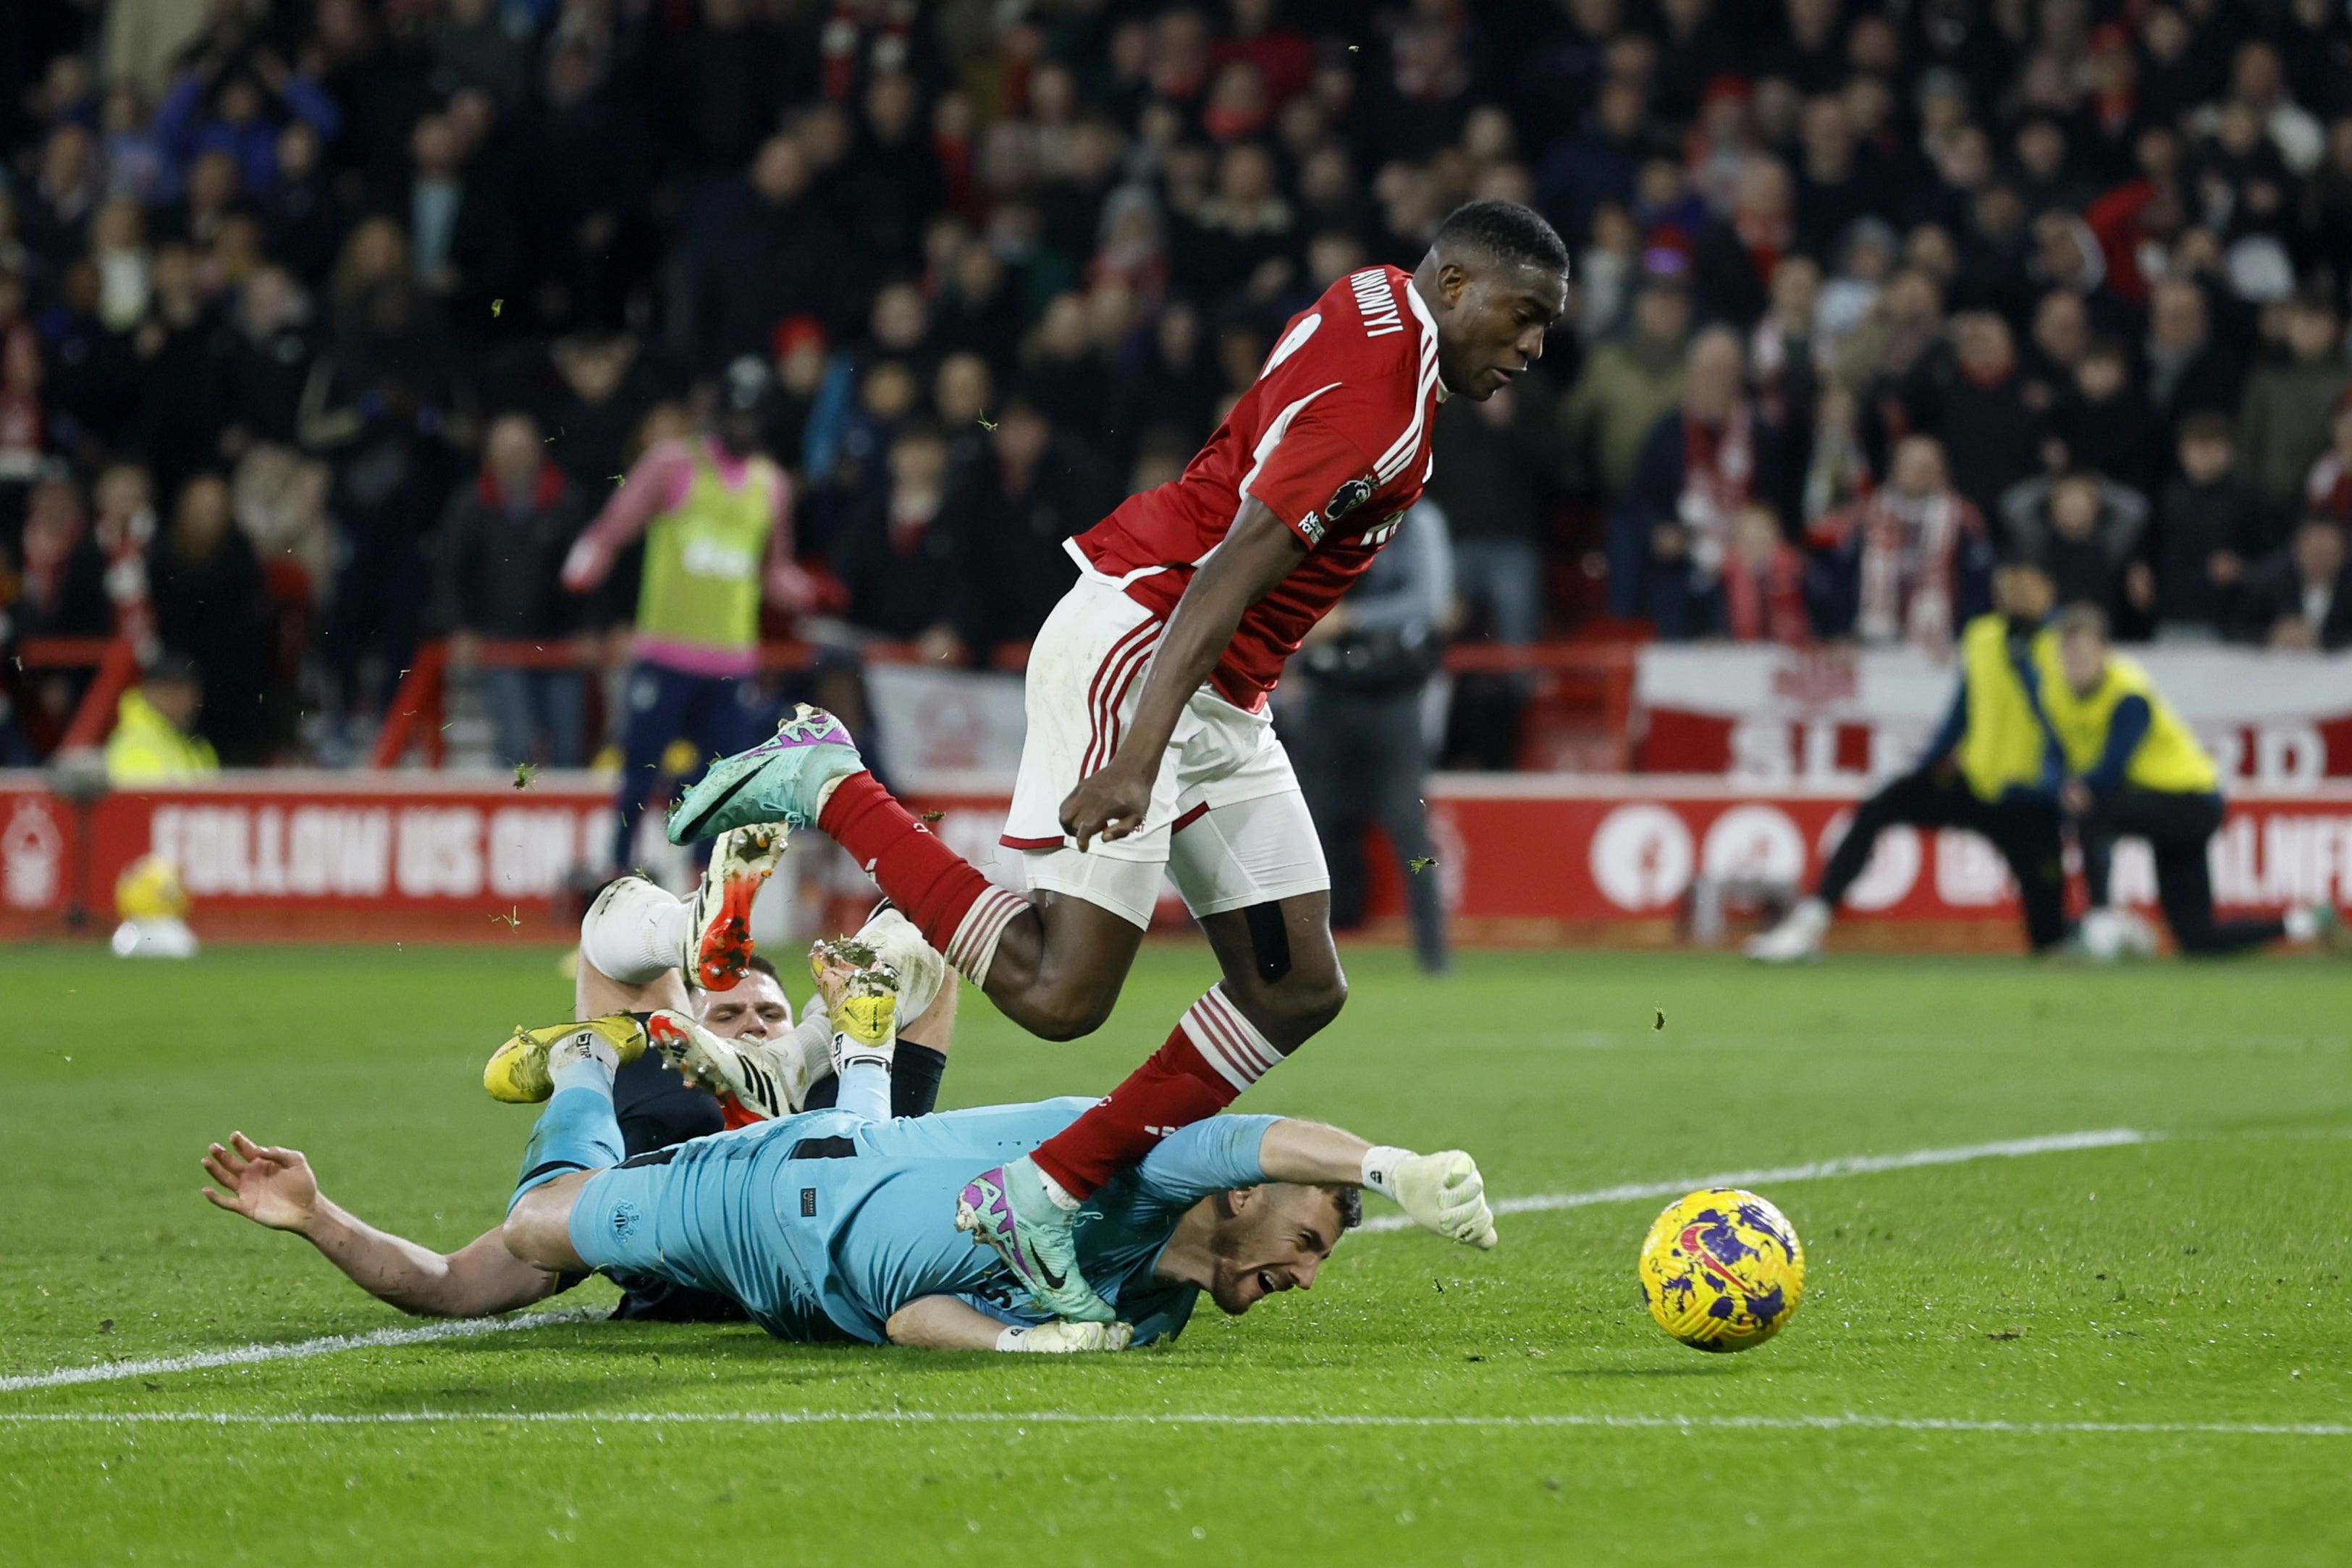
116, 664
1585, 688
1580, 704
413, 719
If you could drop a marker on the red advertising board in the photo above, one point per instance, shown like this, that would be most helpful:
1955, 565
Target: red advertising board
1523, 858
324, 856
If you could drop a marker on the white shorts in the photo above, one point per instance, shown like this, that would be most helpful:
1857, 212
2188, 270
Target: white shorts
1226, 821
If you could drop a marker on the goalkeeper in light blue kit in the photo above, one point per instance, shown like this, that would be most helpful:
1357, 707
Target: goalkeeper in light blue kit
839, 1224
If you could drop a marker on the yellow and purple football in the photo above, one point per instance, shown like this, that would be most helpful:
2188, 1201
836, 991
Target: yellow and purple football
1722, 1270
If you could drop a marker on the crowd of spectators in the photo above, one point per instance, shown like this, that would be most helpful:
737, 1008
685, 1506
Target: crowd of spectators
325, 325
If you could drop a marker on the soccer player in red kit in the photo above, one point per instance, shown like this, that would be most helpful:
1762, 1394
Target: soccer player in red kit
1149, 747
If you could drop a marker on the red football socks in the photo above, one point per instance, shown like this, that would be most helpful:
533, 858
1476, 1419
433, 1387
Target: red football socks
959, 911
1212, 1055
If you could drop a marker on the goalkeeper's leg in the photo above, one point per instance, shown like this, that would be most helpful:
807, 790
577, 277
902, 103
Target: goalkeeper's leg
577, 1135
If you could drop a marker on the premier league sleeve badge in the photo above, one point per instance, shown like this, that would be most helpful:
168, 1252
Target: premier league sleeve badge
1347, 498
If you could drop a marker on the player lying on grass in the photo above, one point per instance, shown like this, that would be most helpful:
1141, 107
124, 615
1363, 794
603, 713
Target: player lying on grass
1150, 751
838, 1224
633, 930
637, 942
825, 1225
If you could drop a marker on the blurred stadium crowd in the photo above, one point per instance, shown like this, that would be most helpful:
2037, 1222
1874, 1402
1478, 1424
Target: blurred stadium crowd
327, 326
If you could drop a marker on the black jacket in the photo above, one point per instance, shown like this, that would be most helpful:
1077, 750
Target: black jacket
1012, 541
2193, 522
2273, 591
901, 588
498, 569
749, 264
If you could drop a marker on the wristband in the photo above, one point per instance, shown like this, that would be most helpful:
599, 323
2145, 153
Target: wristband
1010, 1340
1380, 1163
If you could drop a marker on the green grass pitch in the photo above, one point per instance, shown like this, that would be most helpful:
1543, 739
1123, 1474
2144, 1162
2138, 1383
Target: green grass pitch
2143, 1345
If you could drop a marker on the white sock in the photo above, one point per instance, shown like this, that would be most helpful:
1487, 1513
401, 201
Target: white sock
636, 932
2302, 923
591, 1066
1056, 1193
825, 792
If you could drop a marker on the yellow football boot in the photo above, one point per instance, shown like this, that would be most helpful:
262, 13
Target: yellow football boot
861, 991
518, 1072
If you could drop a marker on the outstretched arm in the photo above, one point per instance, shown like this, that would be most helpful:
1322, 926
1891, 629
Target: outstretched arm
1312, 1153
946, 1323
654, 484
274, 1187
1441, 1192
1257, 553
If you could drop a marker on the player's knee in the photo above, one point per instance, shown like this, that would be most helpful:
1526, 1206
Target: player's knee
1069, 1011
1306, 1003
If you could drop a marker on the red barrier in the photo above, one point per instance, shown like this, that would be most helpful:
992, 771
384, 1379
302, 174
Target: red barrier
62, 653
414, 717
118, 669
1522, 859
415, 714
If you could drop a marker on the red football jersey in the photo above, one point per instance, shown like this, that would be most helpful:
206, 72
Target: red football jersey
1333, 437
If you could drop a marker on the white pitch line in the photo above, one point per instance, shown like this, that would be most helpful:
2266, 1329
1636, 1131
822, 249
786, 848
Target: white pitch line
1065, 1418
1852, 1165
297, 1349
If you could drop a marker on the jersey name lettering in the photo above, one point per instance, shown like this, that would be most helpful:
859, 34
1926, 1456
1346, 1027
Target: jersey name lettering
1376, 301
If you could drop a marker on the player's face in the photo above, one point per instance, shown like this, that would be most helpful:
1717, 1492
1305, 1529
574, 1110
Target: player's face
1495, 325
754, 1010
1275, 1239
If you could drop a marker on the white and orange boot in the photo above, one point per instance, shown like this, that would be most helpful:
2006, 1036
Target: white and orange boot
741, 861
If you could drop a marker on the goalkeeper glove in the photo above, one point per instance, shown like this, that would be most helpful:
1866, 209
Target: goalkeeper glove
1441, 1192
1061, 1336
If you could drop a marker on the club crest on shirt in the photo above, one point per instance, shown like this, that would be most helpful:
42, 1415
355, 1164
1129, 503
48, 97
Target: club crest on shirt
1347, 498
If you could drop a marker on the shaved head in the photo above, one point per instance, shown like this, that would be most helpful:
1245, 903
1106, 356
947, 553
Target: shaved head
1503, 232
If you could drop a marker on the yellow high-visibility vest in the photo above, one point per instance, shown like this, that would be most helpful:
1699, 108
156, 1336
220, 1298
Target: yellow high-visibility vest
2002, 744
146, 750
2168, 758
703, 559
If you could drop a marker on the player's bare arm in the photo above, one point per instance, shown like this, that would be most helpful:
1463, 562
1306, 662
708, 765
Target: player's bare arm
947, 1323
275, 1186
1441, 1192
1249, 564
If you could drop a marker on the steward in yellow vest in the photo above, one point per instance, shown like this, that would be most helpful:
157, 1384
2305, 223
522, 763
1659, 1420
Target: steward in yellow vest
153, 741
2136, 770
1991, 769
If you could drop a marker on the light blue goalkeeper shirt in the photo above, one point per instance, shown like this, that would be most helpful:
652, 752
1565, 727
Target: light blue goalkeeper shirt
822, 1225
